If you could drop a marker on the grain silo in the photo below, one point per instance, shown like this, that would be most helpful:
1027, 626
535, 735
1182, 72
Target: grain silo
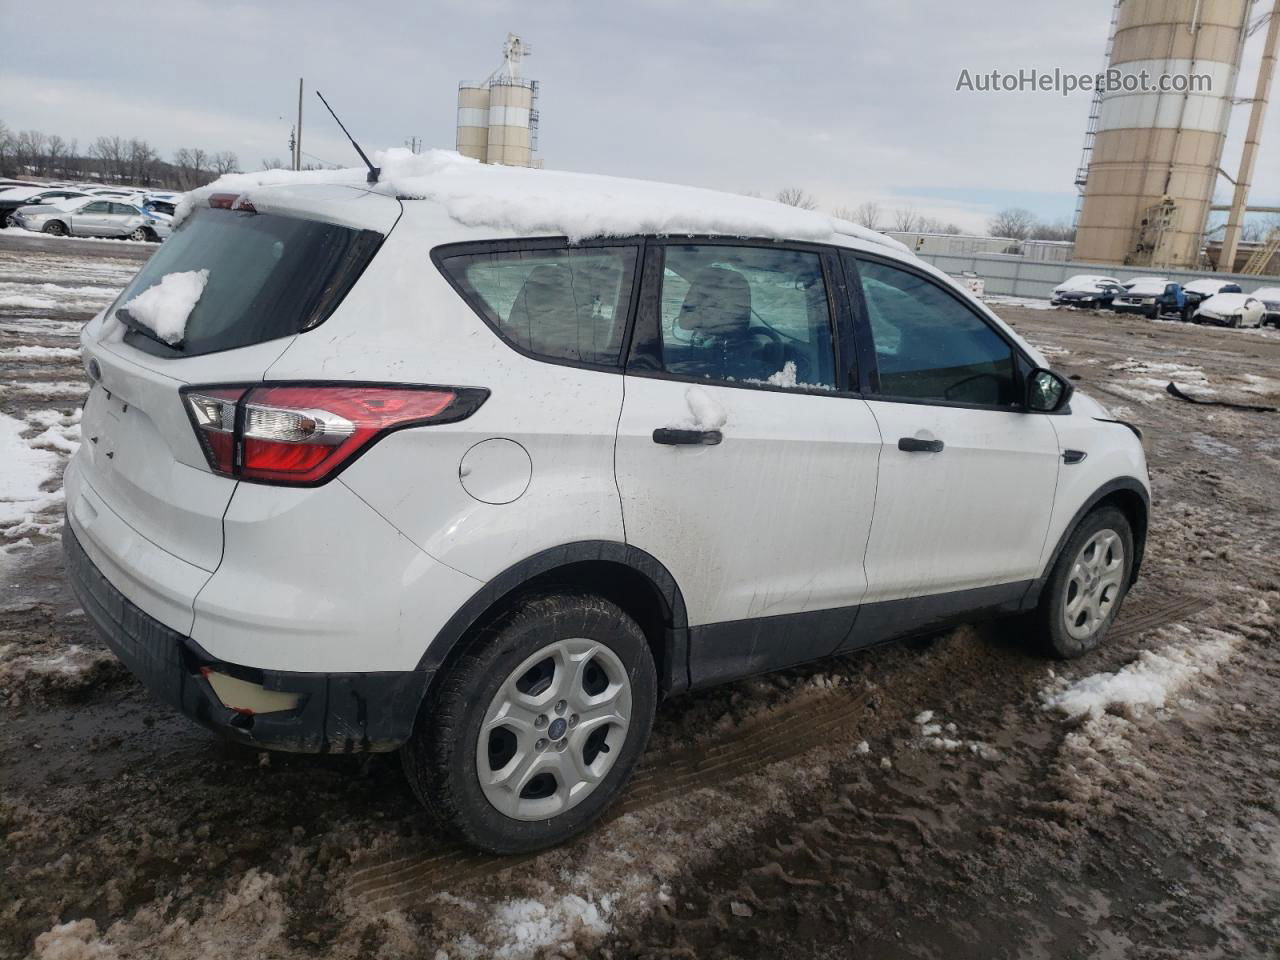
498, 118
473, 120
1154, 159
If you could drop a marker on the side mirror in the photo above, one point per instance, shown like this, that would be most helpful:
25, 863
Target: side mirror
1047, 392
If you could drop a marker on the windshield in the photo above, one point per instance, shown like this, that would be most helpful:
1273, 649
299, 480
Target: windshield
269, 276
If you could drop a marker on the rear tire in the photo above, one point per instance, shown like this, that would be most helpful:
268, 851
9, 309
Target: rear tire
55, 228
1087, 585
537, 726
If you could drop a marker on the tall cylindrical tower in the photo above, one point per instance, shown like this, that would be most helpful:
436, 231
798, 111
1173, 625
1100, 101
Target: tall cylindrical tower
473, 120
510, 111
1155, 158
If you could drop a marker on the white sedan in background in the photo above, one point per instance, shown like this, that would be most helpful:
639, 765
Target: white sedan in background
94, 217
1270, 297
1231, 310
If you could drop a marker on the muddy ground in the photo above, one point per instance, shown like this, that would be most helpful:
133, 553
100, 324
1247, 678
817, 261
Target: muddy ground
815, 813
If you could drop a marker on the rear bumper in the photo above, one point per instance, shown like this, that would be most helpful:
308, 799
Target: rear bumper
336, 712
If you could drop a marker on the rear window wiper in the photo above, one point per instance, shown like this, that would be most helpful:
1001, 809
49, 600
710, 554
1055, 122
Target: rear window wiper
128, 319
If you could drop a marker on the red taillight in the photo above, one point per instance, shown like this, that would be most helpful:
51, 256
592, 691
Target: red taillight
231, 201
302, 435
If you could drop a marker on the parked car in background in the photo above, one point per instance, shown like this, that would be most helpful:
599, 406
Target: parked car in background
1270, 297
1197, 291
1231, 310
1100, 297
11, 200
93, 217
1127, 284
159, 205
1153, 297
1090, 285
362, 486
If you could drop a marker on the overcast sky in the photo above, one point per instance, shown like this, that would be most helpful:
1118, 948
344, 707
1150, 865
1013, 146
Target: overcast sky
850, 101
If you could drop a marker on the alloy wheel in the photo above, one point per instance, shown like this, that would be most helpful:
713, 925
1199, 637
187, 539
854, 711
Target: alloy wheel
554, 729
1094, 584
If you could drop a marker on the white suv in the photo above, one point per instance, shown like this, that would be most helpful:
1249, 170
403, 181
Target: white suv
423, 474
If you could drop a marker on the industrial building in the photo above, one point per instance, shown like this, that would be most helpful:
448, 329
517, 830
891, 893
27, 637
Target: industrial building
498, 116
1152, 159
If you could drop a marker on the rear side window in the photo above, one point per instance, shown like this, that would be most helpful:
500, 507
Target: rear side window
929, 346
565, 304
270, 276
753, 314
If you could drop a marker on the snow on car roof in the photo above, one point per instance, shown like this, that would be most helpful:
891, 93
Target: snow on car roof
1148, 287
1207, 285
575, 205
1267, 293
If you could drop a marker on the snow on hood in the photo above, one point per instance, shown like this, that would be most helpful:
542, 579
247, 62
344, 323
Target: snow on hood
575, 205
1148, 288
1205, 286
1224, 304
1081, 283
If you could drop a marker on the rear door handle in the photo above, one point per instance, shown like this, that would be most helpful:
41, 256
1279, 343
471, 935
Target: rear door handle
916, 445
675, 437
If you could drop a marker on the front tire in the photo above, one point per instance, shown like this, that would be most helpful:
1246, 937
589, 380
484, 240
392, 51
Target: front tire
537, 726
1088, 583
55, 228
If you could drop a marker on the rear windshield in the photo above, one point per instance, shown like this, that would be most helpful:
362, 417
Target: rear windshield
269, 276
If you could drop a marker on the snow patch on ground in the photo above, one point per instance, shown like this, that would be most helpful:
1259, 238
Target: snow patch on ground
23, 478
937, 735
1147, 682
39, 353
165, 307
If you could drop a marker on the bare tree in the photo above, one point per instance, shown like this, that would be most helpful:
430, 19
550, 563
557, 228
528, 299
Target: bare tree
56, 153
6, 148
274, 163
795, 197
868, 213
225, 162
192, 167
906, 220
31, 151
1013, 222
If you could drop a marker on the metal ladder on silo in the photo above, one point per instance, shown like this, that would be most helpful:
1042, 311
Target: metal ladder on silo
1095, 109
1262, 256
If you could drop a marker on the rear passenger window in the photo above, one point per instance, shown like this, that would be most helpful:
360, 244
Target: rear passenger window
749, 314
557, 303
929, 346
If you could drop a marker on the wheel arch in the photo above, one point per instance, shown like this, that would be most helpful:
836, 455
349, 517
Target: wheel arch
1128, 495
623, 574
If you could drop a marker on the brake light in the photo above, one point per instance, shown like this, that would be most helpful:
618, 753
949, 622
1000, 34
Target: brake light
303, 435
231, 201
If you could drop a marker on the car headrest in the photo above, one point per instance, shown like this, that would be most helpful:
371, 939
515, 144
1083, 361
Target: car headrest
718, 303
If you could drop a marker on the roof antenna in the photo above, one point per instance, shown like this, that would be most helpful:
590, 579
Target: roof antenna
373, 171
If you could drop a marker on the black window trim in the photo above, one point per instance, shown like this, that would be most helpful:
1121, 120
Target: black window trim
448, 251
1023, 363
646, 330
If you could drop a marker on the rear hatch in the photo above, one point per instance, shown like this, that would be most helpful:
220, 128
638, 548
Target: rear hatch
276, 268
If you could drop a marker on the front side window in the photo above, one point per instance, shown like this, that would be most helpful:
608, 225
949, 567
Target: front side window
746, 314
557, 303
930, 346
98, 206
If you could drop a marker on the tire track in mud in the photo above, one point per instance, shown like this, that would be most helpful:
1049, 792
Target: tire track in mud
809, 721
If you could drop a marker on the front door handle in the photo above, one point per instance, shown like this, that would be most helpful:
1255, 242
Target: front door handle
675, 437
916, 445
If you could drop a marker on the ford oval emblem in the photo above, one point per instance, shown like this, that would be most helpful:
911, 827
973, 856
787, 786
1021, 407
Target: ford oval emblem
95, 370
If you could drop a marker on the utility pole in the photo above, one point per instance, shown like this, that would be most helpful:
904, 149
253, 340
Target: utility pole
413, 143
297, 155
1235, 221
